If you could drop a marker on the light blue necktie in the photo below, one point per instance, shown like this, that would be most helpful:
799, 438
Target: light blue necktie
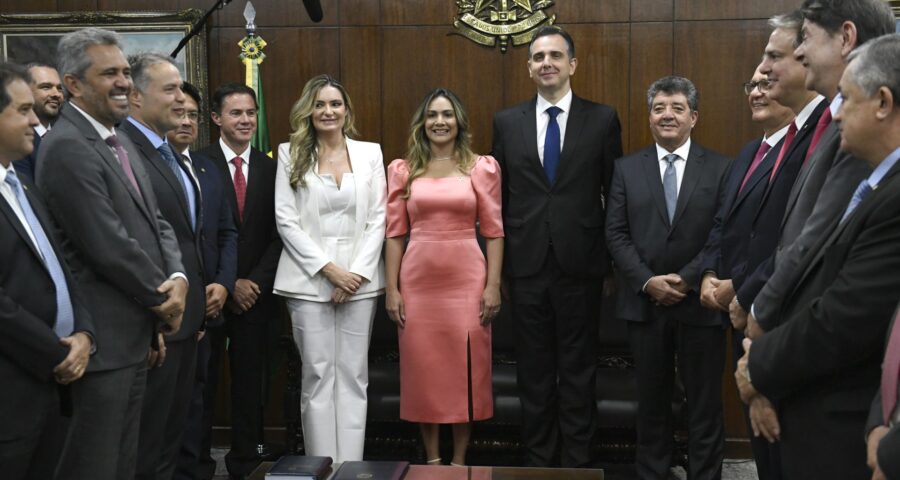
172, 160
670, 184
551, 144
65, 318
861, 191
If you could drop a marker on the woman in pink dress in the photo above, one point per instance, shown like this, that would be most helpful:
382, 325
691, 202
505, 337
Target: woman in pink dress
441, 292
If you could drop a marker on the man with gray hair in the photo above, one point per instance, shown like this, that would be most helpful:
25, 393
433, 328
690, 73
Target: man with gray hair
660, 211
156, 106
122, 251
823, 362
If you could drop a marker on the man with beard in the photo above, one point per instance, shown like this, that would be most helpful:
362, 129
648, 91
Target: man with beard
122, 251
48, 97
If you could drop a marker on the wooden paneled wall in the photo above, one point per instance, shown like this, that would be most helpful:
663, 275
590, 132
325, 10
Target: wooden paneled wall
389, 53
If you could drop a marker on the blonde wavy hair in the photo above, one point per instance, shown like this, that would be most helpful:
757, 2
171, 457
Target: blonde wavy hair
419, 152
304, 140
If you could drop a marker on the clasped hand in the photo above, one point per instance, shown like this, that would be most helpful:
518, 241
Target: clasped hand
763, 417
666, 290
171, 310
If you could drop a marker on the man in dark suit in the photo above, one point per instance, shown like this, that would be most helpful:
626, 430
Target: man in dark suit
822, 362
218, 237
883, 428
556, 153
828, 176
249, 178
43, 342
725, 253
662, 205
123, 252
48, 98
157, 104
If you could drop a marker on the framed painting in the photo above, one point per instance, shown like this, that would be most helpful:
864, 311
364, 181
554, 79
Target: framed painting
26, 38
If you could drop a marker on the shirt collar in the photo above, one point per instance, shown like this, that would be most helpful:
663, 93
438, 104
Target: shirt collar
883, 167
41, 130
836, 104
4, 171
564, 103
776, 137
99, 127
229, 154
155, 139
681, 151
804, 114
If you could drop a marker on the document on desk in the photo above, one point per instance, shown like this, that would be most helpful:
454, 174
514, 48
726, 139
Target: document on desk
300, 467
371, 471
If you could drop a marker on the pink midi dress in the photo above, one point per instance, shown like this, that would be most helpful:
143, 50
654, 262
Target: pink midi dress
445, 352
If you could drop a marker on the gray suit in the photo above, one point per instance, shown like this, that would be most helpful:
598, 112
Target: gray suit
120, 249
819, 196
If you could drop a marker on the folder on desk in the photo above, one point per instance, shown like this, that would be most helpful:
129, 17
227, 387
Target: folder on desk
300, 467
371, 470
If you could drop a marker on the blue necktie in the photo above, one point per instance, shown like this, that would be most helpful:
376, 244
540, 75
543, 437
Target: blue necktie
551, 144
65, 318
670, 184
172, 160
861, 191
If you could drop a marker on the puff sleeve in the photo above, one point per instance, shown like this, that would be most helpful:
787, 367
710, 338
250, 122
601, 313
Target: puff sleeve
397, 216
486, 182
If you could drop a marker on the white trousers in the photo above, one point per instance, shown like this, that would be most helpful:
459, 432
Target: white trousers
333, 341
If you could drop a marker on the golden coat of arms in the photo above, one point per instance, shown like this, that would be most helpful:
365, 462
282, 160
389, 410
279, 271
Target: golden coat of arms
492, 22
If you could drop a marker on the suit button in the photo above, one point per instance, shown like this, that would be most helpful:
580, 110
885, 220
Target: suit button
752, 235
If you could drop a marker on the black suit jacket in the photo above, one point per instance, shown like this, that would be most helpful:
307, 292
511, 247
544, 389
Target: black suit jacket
219, 235
29, 348
25, 166
173, 205
643, 242
824, 361
570, 212
765, 224
726, 247
259, 246
889, 448
119, 246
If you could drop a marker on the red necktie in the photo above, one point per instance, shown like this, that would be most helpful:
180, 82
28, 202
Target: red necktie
240, 184
890, 372
824, 120
122, 155
785, 146
760, 154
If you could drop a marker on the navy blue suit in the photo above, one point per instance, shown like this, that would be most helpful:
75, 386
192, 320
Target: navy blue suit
726, 255
25, 167
218, 238
29, 348
766, 224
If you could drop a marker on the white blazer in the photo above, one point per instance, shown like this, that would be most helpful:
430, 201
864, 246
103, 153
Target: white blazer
297, 217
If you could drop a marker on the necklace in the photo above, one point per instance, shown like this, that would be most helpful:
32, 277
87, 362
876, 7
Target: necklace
442, 158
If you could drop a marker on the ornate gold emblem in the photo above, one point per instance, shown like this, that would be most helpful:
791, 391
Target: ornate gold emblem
492, 22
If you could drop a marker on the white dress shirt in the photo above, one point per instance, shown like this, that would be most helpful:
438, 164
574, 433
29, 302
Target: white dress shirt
41, 129
543, 120
682, 153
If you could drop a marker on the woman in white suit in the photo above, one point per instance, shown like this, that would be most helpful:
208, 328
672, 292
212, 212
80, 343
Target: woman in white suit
330, 210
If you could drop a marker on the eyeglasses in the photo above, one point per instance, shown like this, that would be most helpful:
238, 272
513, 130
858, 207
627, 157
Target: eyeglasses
192, 116
763, 86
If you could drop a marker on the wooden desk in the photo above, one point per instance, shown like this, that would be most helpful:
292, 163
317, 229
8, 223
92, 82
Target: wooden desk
435, 472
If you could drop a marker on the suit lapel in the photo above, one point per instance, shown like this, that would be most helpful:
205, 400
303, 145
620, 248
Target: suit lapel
574, 125
762, 172
254, 183
13, 220
826, 144
650, 165
529, 137
693, 169
218, 157
157, 163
